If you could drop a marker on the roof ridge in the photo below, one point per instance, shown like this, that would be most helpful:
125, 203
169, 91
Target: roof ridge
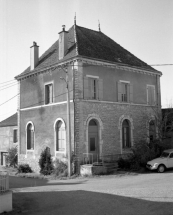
89, 29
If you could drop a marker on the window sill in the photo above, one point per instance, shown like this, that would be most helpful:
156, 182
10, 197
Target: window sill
126, 150
60, 152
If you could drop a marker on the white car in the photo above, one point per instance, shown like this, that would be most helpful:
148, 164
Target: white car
162, 163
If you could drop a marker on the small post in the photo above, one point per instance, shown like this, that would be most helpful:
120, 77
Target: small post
69, 127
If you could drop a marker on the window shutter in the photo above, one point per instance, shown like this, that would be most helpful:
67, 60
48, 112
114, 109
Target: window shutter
131, 93
91, 87
147, 95
46, 94
86, 88
32, 139
100, 86
150, 95
50, 93
119, 92
154, 96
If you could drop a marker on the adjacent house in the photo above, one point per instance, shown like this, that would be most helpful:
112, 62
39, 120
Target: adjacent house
8, 136
112, 97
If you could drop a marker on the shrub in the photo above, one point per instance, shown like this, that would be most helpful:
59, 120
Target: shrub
24, 168
61, 168
45, 162
11, 157
142, 153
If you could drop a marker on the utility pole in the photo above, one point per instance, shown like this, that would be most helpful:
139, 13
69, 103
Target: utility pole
68, 122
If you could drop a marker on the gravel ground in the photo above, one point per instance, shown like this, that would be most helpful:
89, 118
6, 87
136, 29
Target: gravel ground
122, 193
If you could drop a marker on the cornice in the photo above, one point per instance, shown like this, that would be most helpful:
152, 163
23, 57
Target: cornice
120, 66
85, 60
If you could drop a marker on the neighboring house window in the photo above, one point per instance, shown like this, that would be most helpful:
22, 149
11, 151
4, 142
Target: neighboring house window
15, 136
93, 88
126, 140
125, 91
30, 136
151, 98
60, 136
48, 93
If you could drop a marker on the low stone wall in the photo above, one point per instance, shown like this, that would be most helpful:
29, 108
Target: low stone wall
89, 169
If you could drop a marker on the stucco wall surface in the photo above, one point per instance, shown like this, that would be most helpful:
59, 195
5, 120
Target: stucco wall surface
111, 77
6, 138
43, 120
32, 89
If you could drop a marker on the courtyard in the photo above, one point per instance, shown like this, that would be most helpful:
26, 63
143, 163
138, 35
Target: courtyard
121, 193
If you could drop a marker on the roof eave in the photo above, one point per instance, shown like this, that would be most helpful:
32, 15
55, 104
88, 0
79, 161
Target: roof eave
122, 65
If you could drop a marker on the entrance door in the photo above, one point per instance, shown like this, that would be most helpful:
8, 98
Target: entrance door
93, 146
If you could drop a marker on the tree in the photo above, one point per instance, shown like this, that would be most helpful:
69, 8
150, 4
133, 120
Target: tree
45, 162
12, 157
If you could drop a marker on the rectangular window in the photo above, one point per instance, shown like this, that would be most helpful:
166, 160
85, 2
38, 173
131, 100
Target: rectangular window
48, 93
151, 95
93, 88
125, 91
15, 136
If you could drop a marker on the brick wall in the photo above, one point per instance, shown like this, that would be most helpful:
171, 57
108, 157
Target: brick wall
109, 117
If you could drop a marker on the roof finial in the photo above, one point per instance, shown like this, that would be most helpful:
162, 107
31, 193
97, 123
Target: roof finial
99, 25
75, 19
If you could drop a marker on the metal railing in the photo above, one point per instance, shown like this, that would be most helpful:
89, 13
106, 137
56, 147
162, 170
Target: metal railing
4, 181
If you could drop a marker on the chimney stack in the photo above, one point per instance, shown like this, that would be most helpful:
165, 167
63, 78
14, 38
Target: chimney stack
34, 55
62, 42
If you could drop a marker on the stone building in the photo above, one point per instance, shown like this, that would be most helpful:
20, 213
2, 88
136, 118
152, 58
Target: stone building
8, 136
111, 91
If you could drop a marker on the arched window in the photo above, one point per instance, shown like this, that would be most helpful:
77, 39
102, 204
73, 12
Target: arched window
60, 136
30, 136
126, 140
93, 137
152, 130
92, 123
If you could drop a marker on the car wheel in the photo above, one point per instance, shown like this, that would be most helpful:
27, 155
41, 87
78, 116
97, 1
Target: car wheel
161, 168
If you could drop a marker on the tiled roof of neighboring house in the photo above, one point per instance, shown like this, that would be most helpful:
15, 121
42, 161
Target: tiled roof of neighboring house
10, 121
90, 44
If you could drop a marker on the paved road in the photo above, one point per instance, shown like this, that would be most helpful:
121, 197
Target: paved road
150, 193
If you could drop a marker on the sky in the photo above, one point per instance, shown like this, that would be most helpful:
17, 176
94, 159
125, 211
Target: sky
143, 27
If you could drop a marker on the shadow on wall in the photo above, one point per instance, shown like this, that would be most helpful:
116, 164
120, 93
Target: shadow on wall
84, 202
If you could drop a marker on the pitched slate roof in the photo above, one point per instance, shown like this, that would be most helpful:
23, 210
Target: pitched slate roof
10, 121
90, 44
